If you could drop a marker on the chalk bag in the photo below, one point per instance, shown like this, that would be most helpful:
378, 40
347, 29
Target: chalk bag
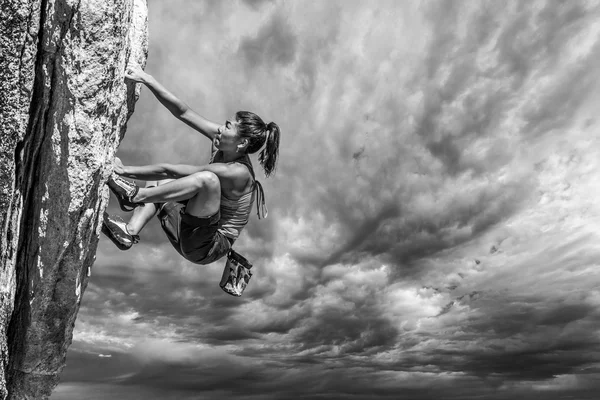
236, 274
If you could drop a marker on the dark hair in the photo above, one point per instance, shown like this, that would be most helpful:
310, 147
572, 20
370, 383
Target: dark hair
253, 127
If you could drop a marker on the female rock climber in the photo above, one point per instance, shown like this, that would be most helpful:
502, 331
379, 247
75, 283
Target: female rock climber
202, 209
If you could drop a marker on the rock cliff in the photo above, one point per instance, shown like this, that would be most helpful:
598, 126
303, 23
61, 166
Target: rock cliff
63, 111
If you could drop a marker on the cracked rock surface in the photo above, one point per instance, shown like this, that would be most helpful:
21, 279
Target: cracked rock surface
64, 106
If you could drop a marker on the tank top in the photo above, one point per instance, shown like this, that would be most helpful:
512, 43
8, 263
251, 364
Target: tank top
235, 213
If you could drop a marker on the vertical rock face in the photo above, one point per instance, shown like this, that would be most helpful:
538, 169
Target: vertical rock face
63, 109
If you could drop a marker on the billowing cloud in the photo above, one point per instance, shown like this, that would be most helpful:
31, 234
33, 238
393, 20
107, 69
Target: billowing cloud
274, 44
433, 222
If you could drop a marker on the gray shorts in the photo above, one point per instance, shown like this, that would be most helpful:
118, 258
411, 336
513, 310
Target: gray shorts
196, 239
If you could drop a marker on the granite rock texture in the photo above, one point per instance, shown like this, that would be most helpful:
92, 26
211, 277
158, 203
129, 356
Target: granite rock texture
64, 106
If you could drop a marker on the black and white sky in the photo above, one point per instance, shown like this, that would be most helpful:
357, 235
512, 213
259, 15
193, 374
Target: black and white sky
434, 222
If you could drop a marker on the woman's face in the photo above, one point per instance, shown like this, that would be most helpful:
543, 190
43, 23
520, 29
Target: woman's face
228, 138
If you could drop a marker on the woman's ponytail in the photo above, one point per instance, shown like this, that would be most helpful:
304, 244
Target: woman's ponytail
260, 134
268, 156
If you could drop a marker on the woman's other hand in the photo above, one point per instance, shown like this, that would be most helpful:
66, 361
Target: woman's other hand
135, 73
118, 166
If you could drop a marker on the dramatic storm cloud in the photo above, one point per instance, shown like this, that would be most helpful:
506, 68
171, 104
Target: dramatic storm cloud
433, 222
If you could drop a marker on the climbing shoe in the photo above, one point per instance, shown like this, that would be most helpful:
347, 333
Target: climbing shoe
116, 230
124, 191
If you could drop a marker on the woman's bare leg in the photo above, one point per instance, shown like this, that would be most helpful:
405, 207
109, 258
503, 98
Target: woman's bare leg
202, 189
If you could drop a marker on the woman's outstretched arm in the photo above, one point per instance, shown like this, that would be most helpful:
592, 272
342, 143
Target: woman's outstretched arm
176, 106
174, 171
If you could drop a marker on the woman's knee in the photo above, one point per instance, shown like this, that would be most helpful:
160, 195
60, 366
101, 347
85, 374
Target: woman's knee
207, 180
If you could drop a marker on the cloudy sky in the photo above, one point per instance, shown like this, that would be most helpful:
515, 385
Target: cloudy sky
434, 223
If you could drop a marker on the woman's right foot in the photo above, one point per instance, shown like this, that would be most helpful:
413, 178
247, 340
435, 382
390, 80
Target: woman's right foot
116, 230
124, 191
